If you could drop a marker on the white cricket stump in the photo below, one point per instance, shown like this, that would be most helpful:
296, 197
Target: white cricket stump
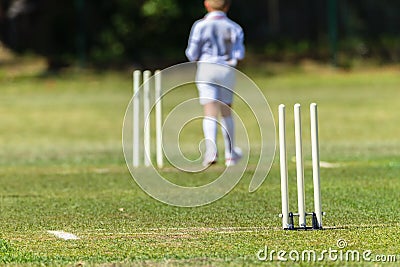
146, 118
159, 149
316, 163
136, 112
283, 167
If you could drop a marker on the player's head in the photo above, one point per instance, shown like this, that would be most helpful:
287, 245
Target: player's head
221, 5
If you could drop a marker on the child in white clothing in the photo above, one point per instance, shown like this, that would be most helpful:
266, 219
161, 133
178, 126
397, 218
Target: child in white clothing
216, 43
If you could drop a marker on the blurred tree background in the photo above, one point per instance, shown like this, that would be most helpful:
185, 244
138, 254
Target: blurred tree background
153, 33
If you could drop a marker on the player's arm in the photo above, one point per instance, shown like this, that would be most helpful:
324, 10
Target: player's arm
193, 51
238, 47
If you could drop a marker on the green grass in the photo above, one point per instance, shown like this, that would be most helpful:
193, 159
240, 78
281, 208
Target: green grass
62, 168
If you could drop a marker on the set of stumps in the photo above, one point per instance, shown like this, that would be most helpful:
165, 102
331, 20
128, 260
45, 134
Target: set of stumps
288, 222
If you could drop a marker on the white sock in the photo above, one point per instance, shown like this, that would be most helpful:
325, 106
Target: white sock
228, 131
210, 134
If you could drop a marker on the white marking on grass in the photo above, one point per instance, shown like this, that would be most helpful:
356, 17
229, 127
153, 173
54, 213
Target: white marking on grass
322, 164
328, 165
187, 232
63, 235
101, 171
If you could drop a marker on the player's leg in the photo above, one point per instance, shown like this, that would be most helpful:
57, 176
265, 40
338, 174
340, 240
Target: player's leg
208, 93
210, 126
227, 128
232, 154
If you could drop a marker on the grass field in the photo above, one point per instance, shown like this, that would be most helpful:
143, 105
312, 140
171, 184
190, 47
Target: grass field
62, 168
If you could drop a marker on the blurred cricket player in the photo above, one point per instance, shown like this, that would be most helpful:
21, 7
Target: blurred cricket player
216, 43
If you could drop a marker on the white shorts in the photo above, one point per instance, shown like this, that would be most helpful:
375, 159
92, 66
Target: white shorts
215, 82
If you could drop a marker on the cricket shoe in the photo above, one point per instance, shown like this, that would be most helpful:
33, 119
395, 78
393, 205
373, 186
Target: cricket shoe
210, 158
234, 158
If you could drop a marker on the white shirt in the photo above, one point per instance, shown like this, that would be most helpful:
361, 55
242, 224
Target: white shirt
216, 39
